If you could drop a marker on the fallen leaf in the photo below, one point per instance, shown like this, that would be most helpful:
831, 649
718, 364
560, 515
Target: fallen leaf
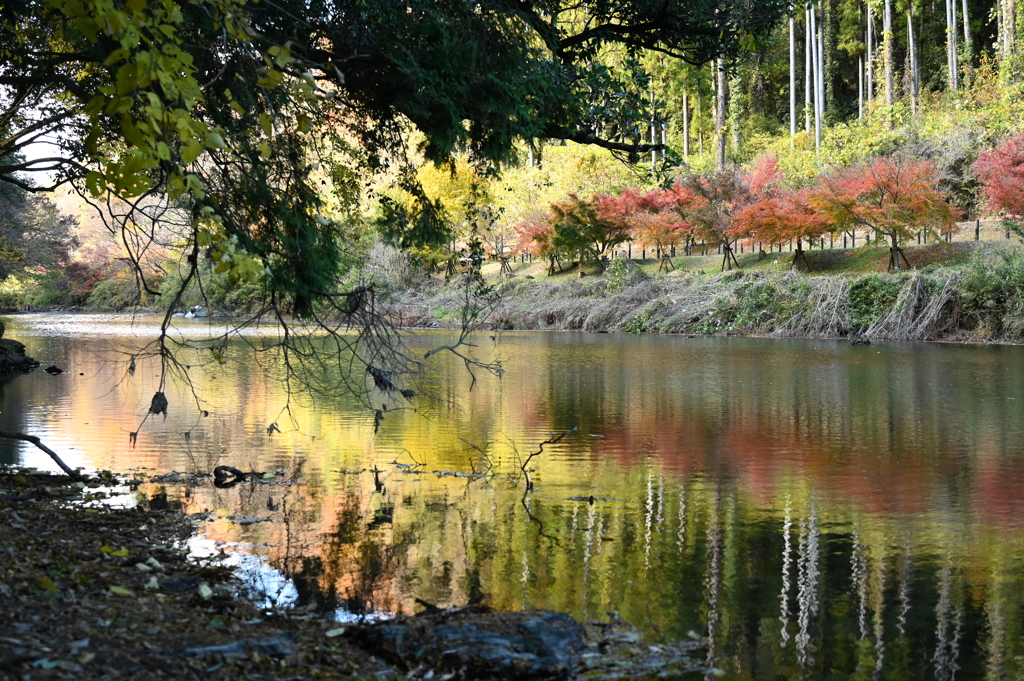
121, 591
335, 632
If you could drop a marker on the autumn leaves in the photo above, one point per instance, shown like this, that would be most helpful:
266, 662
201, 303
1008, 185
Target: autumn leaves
894, 198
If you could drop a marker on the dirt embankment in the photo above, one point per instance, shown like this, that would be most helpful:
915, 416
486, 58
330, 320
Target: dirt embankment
926, 304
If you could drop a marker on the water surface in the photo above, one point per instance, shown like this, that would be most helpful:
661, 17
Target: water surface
817, 510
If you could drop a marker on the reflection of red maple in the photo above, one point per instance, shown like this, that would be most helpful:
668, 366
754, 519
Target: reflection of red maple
1002, 173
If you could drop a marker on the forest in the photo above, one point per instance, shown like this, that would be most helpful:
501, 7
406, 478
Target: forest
887, 122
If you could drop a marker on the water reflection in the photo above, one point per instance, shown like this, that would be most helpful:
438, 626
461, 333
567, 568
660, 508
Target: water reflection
815, 510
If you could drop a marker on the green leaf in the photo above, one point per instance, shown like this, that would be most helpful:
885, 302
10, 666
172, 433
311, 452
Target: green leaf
121, 591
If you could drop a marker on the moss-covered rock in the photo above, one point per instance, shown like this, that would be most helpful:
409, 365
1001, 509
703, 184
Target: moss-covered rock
13, 357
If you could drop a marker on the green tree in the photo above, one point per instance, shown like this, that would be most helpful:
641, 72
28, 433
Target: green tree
237, 114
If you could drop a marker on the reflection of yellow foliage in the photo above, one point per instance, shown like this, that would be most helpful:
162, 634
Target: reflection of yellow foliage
666, 478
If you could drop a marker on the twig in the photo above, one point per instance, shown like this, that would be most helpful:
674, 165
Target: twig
73, 474
540, 450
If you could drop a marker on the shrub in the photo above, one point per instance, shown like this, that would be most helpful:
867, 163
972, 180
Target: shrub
871, 297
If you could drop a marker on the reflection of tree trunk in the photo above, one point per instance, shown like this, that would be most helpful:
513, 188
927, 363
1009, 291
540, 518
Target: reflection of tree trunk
947, 629
807, 592
878, 598
681, 533
787, 526
906, 577
713, 577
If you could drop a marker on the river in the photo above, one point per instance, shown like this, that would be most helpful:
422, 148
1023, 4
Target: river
816, 509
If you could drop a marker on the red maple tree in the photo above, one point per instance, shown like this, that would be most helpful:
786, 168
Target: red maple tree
718, 198
783, 216
894, 197
1001, 172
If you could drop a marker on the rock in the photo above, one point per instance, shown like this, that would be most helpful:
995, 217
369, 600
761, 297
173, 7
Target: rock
475, 644
178, 314
279, 647
13, 357
196, 312
53, 370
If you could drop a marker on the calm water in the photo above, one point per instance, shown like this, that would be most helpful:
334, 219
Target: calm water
818, 510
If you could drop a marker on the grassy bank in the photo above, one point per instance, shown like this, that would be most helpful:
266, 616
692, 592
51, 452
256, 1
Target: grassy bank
971, 291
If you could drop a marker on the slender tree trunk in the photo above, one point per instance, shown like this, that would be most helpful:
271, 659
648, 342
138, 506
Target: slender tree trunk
887, 38
915, 77
954, 52
722, 99
869, 68
808, 70
951, 33
821, 66
700, 117
792, 76
686, 126
968, 45
654, 131
860, 86
816, 56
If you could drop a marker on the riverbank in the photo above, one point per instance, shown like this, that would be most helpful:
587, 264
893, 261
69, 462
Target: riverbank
94, 591
961, 292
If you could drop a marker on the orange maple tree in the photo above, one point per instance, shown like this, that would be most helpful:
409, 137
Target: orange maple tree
894, 197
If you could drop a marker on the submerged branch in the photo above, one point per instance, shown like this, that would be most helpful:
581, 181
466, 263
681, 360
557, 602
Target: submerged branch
72, 473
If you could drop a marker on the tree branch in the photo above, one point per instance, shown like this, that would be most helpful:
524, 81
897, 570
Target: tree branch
73, 474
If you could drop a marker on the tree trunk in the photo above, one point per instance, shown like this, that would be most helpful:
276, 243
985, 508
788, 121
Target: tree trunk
915, 77
887, 38
816, 57
968, 45
654, 132
869, 69
894, 254
821, 67
860, 86
686, 126
808, 70
951, 31
792, 76
722, 98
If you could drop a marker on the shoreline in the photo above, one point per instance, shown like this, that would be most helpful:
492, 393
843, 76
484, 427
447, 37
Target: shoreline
106, 592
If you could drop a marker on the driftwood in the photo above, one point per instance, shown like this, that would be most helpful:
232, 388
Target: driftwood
229, 476
73, 474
